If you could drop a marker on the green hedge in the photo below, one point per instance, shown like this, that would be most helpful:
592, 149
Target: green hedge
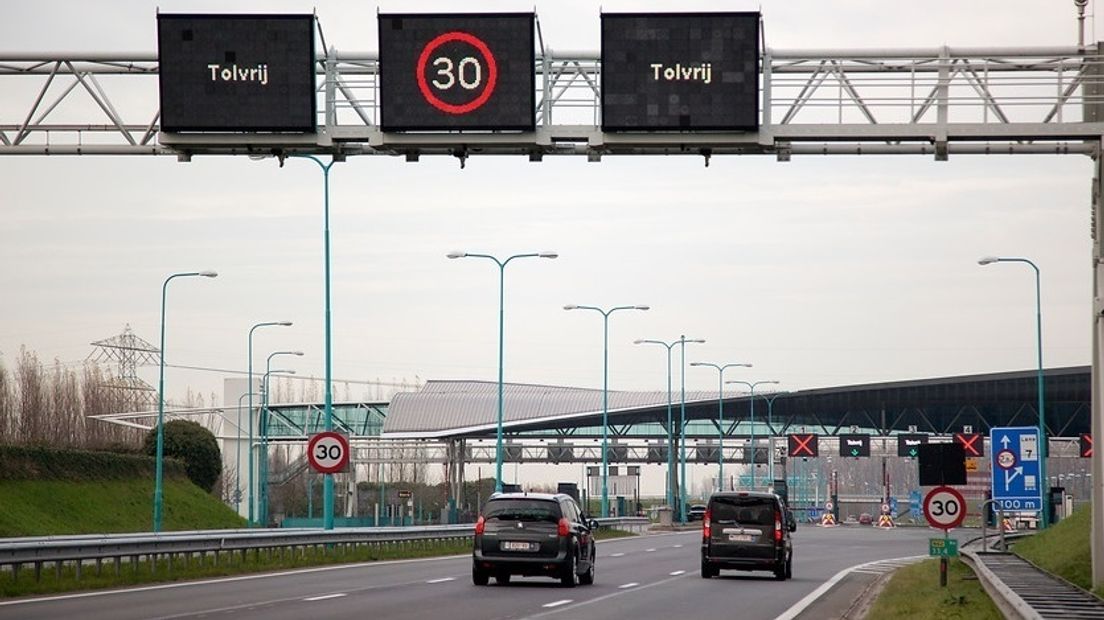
44, 463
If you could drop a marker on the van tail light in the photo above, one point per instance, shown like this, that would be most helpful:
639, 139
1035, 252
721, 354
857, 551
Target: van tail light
706, 524
778, 527
480, 525
564, 528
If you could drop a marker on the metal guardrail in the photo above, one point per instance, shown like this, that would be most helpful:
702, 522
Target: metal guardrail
79, 550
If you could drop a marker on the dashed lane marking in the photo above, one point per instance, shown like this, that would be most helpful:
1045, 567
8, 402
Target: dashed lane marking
442, 580
676, 573
628, 585
324, 597
558, 603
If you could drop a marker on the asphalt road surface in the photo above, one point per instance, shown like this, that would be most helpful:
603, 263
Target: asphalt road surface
640, 578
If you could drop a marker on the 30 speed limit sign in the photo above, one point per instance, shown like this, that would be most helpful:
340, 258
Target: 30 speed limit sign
944, 508
328, 452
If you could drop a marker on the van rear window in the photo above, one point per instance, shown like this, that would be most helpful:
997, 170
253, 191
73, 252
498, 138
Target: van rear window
742, 510
521, 510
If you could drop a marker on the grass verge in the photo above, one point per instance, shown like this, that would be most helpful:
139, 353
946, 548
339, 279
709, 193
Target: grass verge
145, 572
914, 593
1063, 549
606, 533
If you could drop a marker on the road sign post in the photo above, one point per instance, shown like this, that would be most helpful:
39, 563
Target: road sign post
944, 508
1016, 482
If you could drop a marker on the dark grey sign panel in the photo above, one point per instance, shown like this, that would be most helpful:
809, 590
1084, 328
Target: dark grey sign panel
680, 71
463, 71
236, 73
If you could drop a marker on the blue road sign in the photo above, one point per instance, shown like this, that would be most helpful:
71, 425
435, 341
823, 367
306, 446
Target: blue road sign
1015, 468
893, 507
914, 502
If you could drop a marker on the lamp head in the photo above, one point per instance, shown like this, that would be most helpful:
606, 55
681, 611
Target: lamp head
209, 274
456, 254
284, 323
985, 260
641, 307
571, 307
697, 364
548, 254
298, 353
638, 342
697, 340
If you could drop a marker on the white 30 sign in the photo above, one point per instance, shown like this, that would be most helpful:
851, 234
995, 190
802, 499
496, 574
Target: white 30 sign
944, 508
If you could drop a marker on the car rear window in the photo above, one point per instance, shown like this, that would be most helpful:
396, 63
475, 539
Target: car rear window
521, 510
743, 510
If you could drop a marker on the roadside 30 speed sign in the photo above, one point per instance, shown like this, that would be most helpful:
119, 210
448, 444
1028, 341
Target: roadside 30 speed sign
944, 508
328, 452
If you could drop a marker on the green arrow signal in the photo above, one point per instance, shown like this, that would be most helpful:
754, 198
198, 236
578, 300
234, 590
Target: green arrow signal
854, 451
912, 451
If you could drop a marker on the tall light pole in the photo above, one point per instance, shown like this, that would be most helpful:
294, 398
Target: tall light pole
159, 467
682, 426
720, 416
770, 427
264, 430
605, 390
751, 386
250, 394
1043, 449
237, 466
671, 472
327, 480
501, 330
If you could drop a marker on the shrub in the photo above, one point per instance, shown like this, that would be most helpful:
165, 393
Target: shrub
193, 444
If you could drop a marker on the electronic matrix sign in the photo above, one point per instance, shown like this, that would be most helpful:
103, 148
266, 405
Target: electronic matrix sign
802, 444
854, 445
909, 444
236, 73
680, 71
464, 71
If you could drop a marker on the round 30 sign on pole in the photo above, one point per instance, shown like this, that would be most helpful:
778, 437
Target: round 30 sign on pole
328, 452
944, 508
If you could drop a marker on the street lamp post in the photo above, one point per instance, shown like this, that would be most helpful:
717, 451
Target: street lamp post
264, 429
770, 427
682, 426
159, 468
605, 390
720, 417
751, 386
1044, 448
237, 465
501, 329
250, 394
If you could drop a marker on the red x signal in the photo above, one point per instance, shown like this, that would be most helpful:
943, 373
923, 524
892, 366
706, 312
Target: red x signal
1086, 445
803, 444
972, 443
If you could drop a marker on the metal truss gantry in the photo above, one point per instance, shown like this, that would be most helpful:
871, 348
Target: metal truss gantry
934, 101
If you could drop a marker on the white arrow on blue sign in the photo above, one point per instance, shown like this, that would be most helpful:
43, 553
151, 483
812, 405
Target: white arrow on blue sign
1015, 468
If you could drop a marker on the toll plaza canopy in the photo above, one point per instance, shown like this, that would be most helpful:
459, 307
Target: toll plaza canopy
469, 409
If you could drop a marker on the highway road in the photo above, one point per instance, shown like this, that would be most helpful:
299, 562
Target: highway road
642, 577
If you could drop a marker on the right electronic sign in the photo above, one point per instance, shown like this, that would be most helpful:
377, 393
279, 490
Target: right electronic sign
680, 71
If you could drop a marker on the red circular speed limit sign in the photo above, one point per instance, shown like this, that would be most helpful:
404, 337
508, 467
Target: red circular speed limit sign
944, 508
328, 452
471, 76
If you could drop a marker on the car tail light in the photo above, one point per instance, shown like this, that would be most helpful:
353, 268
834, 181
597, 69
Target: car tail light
480, 525
706, 528
778, 527
564, 528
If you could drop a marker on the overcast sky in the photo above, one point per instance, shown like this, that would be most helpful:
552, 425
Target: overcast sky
820, 271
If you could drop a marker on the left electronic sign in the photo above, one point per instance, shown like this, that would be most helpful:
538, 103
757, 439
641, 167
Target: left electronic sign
455, 72
236, 73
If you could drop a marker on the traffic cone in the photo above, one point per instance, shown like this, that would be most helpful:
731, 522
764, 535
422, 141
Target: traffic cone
827, 520
1007, 526
886, 521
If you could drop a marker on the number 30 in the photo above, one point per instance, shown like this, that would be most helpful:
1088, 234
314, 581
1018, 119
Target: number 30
445, 70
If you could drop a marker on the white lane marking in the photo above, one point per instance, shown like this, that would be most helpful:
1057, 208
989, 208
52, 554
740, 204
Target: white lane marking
628, 585
602, 598
810, 598
676, 573
652, 550
676, 546
324, 597
442, 580
558, 603
616, 555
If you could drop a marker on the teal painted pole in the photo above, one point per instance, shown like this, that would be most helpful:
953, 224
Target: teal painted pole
672, 471
237, 466
252, 453
605, 392
158, 493
501, 342
264, 421
1044, 447
720, 415
682, 433
751, 386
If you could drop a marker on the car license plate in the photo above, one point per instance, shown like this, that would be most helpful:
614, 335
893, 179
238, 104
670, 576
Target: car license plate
739, 537
510, 545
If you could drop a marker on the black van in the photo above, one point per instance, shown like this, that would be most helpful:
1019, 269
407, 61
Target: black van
533, 534
747, 530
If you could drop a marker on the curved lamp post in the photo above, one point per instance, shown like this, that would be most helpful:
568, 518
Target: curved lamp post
720, 416
501, 321
237, 464
158, 496
770, 425
751, 386
605, 389
682, 424
1043, 449
263, 515
250, 394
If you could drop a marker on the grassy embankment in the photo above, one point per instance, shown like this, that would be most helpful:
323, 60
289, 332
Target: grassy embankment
914, 593
1063, 549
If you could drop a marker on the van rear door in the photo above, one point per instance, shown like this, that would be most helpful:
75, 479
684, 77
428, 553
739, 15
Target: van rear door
742, 527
